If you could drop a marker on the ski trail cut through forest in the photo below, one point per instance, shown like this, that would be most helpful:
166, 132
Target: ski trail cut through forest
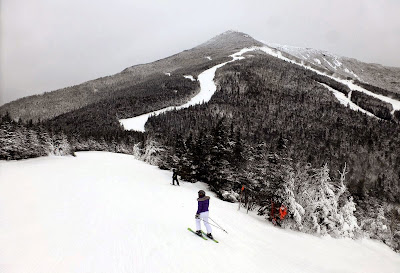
207, 90
345, 100
274, 52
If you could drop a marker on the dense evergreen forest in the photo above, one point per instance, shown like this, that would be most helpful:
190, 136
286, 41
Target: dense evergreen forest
266, 101
101, 119
373, 105
20, 140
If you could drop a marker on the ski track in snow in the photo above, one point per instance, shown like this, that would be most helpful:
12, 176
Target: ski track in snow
105, 212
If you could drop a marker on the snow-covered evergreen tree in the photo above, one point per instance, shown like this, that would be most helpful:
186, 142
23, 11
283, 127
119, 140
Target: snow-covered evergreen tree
152, 152
61, 145
378, 227
349, 227
315, 204
296, 211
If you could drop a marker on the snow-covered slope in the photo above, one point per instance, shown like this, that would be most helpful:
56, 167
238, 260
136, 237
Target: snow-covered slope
385, 77
317, 57
278, 54
103, 212
346, 101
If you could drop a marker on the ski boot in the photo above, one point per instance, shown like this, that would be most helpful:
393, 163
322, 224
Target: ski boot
209, 235
198, 232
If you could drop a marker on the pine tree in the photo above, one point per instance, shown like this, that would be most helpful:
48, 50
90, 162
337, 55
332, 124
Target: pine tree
294, 220
180, 161
238, 158
202, 157
152, 152
218, 157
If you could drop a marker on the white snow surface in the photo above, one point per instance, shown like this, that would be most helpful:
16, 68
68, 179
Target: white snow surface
207, 90
190, 77
317, 60
346, 101
309, 54
104, 212
334, 67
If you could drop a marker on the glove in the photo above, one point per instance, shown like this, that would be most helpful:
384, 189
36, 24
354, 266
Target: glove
197, 216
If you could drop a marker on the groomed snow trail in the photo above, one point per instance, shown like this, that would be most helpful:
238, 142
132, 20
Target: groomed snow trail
344, 100
207, 90
104, 212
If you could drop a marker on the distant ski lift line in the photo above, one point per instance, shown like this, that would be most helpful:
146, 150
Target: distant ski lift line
208, 88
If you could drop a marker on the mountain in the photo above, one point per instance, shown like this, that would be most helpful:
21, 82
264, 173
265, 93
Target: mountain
192, 61
104, 212
131, 80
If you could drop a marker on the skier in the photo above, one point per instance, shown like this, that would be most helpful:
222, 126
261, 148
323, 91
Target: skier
202, 214
175, 177
281, 212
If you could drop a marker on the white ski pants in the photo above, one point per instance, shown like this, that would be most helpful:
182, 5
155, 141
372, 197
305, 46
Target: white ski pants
204, 217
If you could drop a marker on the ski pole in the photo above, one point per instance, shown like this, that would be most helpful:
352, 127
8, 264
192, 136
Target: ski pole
218, 226
214, 225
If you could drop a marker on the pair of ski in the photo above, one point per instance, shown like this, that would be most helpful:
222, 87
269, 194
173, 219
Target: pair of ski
201, 236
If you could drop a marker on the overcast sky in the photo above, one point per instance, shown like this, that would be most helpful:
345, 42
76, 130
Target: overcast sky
50, 44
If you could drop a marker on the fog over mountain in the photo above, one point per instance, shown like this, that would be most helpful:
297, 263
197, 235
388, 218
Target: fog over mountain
46, 45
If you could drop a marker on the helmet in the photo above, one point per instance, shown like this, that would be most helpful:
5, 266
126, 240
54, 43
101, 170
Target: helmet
201, 193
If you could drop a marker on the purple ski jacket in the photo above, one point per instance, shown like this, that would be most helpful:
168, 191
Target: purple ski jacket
203, 204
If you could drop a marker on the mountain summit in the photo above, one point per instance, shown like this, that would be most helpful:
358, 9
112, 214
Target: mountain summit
191, 61
230, 40
52, 104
